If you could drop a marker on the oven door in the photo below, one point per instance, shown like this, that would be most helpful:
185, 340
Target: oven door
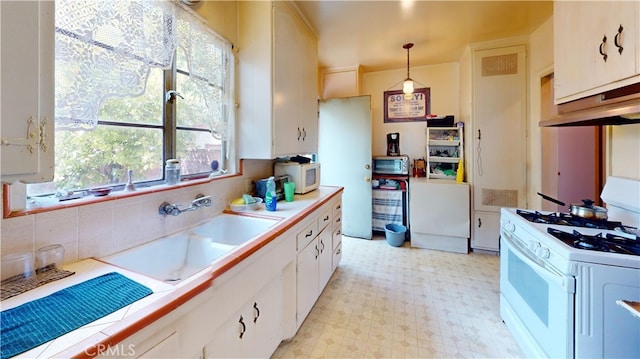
536, 301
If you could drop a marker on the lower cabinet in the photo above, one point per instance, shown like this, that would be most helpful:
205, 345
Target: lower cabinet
317, 257
486, 231
254, 331
251, 308
313, 272
165, 347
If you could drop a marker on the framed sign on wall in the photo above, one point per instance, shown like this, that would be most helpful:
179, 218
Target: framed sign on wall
397, 108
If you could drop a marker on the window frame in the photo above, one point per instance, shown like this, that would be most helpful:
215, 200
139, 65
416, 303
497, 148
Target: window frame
169, 129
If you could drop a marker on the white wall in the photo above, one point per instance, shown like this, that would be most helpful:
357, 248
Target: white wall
624, 149
444, 82
540, 64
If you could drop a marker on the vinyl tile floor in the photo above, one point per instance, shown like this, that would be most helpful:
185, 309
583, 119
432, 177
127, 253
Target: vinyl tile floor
403, 302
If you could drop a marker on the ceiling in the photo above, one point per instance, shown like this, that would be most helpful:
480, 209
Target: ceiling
371, 33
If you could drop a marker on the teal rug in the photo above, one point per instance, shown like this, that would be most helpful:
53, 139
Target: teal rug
37, 322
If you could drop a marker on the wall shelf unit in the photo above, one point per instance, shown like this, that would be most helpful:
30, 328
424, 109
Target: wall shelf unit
444, 151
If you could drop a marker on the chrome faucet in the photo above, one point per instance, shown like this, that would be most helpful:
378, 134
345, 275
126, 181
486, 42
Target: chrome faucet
201, 200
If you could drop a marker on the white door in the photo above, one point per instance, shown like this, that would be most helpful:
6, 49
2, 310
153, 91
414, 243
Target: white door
344, 150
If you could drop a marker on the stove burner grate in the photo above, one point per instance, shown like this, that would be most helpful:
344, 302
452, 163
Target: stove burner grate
609, 243
566, 219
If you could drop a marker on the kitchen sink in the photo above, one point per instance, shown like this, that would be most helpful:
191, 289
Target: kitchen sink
177, 257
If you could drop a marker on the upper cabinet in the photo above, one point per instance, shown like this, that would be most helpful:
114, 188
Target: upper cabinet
27, 108
277, 81
595, 47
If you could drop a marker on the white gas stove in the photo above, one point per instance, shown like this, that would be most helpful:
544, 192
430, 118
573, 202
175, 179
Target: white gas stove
560, 278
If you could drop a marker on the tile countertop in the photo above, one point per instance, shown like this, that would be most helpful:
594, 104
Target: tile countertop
122, 323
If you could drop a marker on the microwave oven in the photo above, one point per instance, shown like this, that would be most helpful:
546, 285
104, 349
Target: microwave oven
305, 175
391, 165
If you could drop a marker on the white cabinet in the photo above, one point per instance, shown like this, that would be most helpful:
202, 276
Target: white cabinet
278, 81
341, 82
486, 231
439, 215
316, 254
444, 151
596, 47
27, 87
314, 270
254, 331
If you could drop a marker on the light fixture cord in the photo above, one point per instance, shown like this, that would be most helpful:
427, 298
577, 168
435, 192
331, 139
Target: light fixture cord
408, 63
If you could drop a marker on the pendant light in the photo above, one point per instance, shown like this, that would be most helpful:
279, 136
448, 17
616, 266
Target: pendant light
407, 86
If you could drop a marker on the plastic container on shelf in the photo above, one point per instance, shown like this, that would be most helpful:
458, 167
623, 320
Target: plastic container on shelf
172, 172
395, 234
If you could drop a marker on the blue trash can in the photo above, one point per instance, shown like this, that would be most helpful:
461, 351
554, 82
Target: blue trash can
395, 234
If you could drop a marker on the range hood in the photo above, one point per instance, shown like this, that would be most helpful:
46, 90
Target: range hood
616, 107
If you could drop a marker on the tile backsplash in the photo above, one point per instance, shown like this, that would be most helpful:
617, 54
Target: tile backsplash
104, 228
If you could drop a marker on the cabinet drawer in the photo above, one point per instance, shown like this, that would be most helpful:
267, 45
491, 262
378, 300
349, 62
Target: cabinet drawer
324, 219
337, 208
336, 237
337, 222
337, 256
307, 235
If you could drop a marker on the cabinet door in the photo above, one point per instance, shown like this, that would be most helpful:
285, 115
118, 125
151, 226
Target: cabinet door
325, 268
307, 280
255, 331
308, 116
486, 231
266, 321
286, 78
168, 347
579, 30
27, 72
295, 84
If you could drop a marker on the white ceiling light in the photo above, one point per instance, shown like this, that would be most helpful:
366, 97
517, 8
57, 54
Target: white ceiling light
407, 85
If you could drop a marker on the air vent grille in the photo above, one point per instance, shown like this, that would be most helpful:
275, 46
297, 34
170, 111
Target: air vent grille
500, 65
500, 197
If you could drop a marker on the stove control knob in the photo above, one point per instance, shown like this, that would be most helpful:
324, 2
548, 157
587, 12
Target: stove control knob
544, 253
533, 246
510, 227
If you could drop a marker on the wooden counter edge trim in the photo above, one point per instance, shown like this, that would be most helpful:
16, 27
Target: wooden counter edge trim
116, 333
631, 306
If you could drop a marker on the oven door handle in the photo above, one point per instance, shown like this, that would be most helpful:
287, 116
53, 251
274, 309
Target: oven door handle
565, 282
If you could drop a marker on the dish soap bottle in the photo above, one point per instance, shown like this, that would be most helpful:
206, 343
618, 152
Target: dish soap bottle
270, 197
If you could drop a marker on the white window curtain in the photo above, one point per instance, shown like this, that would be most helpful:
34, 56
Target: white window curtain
106, 48
209, 63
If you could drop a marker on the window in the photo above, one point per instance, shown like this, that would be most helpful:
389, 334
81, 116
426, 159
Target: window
137, 83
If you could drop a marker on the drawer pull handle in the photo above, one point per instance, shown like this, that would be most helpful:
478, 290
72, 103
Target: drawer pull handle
244, 327
601, 49
309, 234
616, 40
326, 218
257, 312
